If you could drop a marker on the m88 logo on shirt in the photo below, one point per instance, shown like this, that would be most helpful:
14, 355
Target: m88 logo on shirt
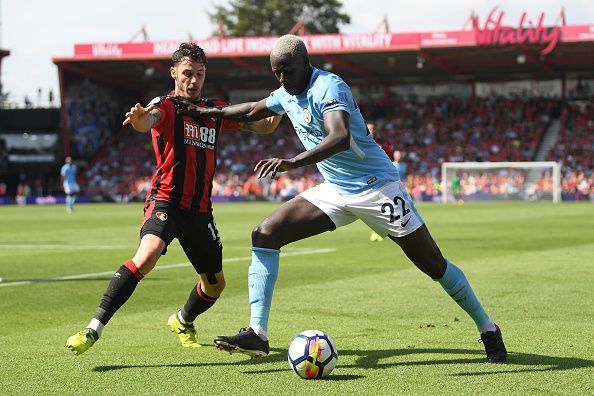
199, 136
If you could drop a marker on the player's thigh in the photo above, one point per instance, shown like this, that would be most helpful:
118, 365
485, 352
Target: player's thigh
199, 238
390, 211
296, 219
422, 250
71, 188
148, 252
159, 221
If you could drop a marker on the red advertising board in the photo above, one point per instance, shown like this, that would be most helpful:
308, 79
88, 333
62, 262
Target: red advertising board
493, 32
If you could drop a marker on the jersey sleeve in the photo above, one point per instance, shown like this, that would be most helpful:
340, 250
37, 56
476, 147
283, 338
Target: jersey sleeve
336, 96
274, 104
63, 170
162, 104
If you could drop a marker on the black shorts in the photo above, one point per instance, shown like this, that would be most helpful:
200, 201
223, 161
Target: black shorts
196, 232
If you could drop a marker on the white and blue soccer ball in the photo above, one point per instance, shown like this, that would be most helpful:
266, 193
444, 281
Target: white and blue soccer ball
312, 354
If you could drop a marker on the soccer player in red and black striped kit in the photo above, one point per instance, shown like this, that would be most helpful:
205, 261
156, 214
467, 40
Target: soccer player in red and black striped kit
178, 204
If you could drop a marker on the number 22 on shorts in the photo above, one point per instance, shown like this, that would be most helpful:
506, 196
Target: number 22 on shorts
392, 208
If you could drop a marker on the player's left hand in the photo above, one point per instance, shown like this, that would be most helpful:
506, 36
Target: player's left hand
187, 107
272, 166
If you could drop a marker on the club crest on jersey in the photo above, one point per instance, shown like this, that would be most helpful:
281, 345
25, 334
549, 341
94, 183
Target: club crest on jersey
306, 116
161, 216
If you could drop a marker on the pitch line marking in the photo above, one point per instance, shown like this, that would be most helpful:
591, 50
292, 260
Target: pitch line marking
163, 267
11, 246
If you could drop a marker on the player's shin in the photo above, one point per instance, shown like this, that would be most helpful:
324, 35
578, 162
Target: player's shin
261, 279
198, 302
456, 285
118, 291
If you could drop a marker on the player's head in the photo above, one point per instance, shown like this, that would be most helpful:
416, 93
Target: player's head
371, 129
69, 160
290, 63
188, 70
397, 155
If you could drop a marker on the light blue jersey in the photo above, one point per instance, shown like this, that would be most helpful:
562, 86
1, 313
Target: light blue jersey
364, 165
68, 171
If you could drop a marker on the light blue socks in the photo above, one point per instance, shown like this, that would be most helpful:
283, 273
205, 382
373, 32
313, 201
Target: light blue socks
70, 199
456, 285
261, 279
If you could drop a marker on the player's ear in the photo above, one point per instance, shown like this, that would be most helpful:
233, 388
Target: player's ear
173, 72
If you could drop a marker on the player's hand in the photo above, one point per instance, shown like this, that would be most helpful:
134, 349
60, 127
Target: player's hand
137, 115
272, 166
187, 107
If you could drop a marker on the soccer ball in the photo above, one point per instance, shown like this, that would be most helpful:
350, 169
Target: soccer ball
312, 354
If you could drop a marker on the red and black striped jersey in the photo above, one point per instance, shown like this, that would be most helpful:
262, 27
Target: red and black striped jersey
186, 154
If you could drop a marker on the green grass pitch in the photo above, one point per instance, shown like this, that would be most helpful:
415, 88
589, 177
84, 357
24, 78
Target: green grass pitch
396, 331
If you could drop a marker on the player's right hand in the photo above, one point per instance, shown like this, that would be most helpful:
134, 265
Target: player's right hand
137, 115
272, 166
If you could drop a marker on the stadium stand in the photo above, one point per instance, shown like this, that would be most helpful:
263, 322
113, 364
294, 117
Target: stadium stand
575, 150
428, 133
447, 96
92, 110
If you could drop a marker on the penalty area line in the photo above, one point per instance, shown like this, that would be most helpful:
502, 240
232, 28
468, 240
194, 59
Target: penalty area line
157, 268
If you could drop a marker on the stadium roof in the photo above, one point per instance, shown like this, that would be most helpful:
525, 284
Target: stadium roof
494, 52
3, 53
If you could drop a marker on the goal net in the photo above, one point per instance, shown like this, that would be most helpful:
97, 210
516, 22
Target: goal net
499, 181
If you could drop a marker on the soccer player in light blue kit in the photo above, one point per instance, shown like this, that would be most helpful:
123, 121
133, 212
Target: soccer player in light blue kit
68, 172
360, 183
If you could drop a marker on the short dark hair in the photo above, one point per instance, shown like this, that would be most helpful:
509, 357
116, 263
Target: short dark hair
190, 50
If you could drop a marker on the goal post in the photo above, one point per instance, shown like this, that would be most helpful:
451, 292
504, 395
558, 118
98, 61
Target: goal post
500, 181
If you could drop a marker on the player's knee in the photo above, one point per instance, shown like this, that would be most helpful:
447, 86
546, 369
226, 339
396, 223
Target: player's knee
213, 287
146, 260
219, 287
263, 235
434, 267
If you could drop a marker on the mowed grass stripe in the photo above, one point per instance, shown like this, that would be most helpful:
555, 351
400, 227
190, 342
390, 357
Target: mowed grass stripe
157, 268
396, 330
386, 333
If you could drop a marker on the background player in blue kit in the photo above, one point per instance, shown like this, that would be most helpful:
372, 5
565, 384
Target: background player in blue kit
68, 172
360, 183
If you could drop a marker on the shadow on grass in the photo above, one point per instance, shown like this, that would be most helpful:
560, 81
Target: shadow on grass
276, 355
529, 362
372, 360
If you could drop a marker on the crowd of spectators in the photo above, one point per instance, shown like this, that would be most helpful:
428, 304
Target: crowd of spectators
92, 112
500, 184
125, 169
426, 133
456, 130
575, 150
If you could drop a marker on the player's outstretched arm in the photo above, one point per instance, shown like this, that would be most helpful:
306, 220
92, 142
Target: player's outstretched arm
338, 139
264, 126
141, 118
243, 112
